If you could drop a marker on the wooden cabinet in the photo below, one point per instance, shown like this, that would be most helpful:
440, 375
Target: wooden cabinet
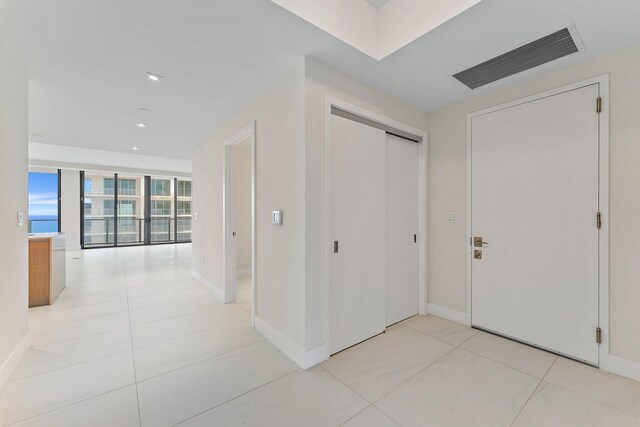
47, 269
39, 272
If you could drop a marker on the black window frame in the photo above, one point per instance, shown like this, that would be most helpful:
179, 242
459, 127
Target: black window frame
149, 190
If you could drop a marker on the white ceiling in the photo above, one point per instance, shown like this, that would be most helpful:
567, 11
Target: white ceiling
377, 32
66, 157
87, 60
377, 3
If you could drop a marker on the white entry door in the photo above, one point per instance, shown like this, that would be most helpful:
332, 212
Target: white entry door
402, 229
358, 212
534, 201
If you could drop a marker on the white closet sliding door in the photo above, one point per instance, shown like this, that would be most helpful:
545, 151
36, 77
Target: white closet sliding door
402, 229
358, 223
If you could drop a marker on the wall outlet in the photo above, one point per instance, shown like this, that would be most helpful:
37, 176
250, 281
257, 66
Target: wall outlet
452, 216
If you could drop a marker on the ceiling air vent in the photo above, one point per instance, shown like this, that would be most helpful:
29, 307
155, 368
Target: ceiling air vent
541, 51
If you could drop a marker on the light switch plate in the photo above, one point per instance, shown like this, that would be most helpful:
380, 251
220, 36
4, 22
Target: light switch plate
452, 216
20, 219
276, 217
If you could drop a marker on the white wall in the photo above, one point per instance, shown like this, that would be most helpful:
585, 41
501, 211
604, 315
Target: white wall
289, 149
243, 206
14, 196
70, 199
322, 81
280, 271
447, 190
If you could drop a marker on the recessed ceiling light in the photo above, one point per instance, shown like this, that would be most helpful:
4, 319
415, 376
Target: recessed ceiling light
154, 77
135, 148
141, 125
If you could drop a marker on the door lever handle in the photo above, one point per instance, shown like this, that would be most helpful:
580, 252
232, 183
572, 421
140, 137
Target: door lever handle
478, 242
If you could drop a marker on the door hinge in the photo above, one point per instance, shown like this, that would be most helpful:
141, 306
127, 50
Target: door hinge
599, 220
598, 335
599, 104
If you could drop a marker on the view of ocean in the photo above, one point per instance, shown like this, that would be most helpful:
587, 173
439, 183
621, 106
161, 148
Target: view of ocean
43, 224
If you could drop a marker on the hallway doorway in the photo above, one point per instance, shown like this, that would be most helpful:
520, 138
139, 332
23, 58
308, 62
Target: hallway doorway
239, 223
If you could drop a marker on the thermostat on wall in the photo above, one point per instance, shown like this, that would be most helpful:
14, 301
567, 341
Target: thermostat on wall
276, 216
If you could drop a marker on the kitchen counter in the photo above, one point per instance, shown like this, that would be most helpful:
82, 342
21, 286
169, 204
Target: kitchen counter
47, 267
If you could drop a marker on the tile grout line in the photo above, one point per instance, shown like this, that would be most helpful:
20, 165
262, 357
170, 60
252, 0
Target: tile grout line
356, 414
370, 404
454, 347
387, 415
116, 329
237, 397
345, 384
427, 335
63, 305
437, 338
70, 404
133, 353
174, 317
507, 366
78, 401
412, 376
591, 399
495, 361
556, 358
71, 365
81, 337
77, 319
190, 333
125, 289
204, 360
177, 301
534, 392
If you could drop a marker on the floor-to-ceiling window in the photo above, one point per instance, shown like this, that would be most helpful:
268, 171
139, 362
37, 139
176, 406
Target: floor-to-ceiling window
44, 202
183, 210
162, 210
130, 210
120, 210
98, 209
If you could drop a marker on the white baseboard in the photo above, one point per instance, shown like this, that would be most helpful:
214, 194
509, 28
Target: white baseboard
623, 367
216, 291
9, 366
304, 359
244, 273
449, 314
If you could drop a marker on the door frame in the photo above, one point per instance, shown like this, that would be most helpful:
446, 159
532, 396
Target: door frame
329, 102
603, 201
228, 256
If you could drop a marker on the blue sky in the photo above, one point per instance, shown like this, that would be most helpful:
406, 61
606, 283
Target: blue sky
43, 194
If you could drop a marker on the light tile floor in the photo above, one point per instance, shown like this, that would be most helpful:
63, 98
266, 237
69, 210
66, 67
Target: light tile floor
134, 340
